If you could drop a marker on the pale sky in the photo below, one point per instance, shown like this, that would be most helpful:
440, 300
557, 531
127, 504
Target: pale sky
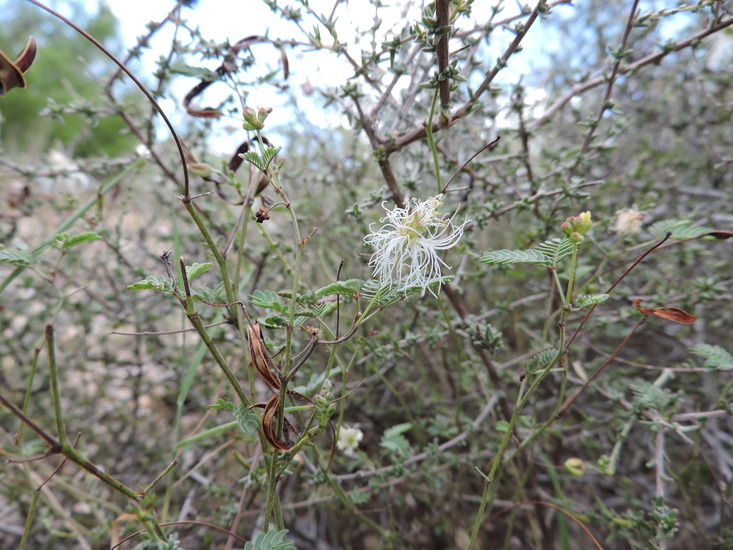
228, 19
219, 20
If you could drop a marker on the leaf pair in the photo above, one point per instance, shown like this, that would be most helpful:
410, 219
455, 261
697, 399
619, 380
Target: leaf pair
12, 72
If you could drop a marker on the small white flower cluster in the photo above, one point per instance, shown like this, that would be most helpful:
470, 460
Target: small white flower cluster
349, 439
628, 221
407, 244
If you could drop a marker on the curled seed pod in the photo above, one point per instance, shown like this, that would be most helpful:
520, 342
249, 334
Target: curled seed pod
260, 357
269, 427
11, 72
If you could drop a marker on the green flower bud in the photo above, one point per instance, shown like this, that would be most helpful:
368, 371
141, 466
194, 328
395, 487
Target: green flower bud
575, 467
200, 169
252, 120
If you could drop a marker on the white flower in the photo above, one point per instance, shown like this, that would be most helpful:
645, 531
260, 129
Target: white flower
628, 221
407, 244
349, 439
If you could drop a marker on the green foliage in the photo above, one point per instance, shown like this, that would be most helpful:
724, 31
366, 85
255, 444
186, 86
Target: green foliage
272, 540
548, 253
556, 249
195, 270
64, 241
715, 357
59, 84
540, 361
345, 288
385, 297
585, 300
169, 544
20, 257
486, 336
246, 418
393, 440
268, 300
154, 282
442, 385
506, 257
261, 161
201, 73
649, 396
680, 229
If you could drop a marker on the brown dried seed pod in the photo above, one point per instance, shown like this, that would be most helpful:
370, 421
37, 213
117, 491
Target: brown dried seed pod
260, 357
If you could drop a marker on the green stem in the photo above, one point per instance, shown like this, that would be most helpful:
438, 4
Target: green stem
241, 325
220, 260
29, 519
571, 281
405, 407
160, 476
610, 468
28, 392
364, 316
491, 485
276, 249
69, 452
351, 507
216, 354
271, 490
344, 377
76, 457
53, 382
273, 503
490, 479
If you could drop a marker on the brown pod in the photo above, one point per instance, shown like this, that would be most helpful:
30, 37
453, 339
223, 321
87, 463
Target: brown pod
260, 357
11, 72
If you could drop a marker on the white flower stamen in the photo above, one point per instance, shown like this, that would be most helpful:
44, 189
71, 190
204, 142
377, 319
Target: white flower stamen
348, 440
406, 245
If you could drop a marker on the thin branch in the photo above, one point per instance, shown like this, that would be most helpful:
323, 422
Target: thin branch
419, 132
583, 87
441, 52
138, 83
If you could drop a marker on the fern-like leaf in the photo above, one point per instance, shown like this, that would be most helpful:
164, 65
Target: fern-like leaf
346, 288
556, 249
17, 257
268, 299
268, 154
715, 356
548, 254
390, 296
541, 360
586, 300
681, 229
506, 257
261, 161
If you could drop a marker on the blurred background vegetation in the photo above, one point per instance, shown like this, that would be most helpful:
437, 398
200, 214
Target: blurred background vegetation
433, 380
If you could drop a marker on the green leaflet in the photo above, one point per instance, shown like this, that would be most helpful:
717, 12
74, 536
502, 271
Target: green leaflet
715, 356
272, 540
548, 253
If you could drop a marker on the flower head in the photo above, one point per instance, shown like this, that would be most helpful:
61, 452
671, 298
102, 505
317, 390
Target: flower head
349, 439
575, 226
406, 246
628, 221
255, 120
